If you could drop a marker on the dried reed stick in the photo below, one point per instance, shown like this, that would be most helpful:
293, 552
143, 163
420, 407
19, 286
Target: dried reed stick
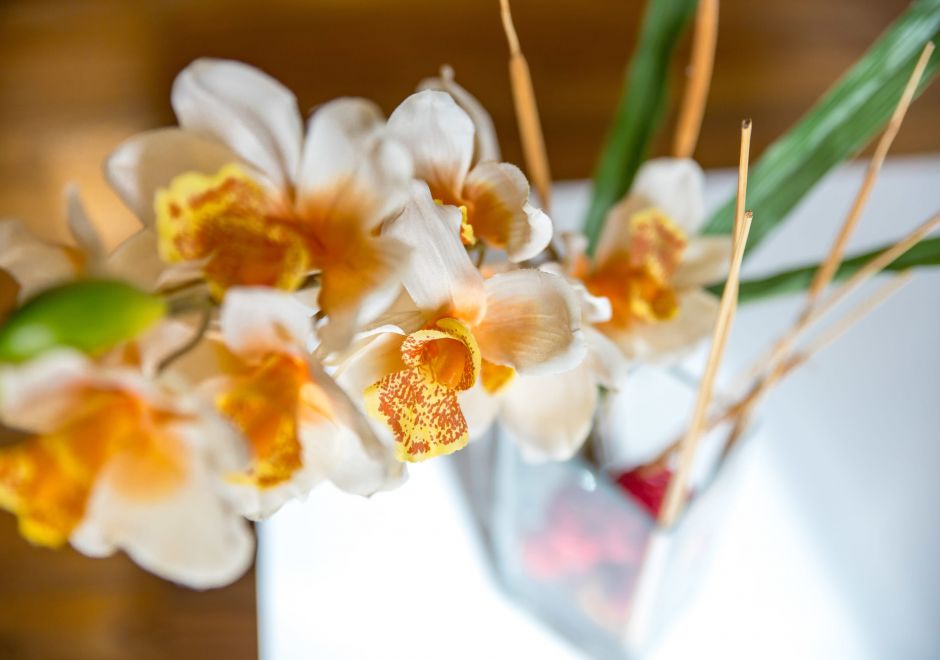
748, 400
744, 409
870, 269
828, 268
823, 276
676, 491
527, 113
700, 76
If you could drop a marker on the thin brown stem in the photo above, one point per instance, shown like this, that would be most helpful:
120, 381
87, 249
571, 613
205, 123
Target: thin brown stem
828, 268
676, 491
527, 113
700, 75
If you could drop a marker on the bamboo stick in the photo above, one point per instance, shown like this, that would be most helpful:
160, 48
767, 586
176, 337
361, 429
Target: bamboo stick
696, 90
823, 276
828, 268
527, 113
676, 491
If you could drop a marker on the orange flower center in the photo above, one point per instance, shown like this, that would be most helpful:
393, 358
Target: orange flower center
637, 279
267, 403
48, 479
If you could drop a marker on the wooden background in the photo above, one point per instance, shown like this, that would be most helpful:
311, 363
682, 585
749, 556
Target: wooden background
78, 76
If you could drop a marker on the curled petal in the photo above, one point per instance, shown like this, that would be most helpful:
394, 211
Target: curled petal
439, 135
487, 144
440, 273
497, 196
142, 165
676, 186
259, 320
247, 110
532, 323
447, 350
351, 170
707, 259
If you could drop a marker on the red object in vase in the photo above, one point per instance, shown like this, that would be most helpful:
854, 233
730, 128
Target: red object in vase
647, 485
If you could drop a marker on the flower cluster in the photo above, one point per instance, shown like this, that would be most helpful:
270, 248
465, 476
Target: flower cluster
369, 292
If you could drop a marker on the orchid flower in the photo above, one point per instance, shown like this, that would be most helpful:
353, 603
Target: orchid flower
301, 427
493, 197
551, 415
240, 193
453, 329
652, 267
113, 462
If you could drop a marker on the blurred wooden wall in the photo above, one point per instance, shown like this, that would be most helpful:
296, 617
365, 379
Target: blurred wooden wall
78, 76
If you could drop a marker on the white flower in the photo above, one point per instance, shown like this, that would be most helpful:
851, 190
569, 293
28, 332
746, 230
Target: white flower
113, 463
653, 267
493, 197
301, 427
241, 193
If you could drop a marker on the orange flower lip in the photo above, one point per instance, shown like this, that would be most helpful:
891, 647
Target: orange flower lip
419, 403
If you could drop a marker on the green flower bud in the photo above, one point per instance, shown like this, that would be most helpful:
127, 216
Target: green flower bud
89, 315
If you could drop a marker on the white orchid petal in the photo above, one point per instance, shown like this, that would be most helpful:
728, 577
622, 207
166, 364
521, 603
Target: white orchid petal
33, 395
338, 454
551, 415
479, 409
33, 263
594, 309
350, 165
439, 135
706, 261
244, 108
670, 340
607, 360
439, 273
677, 187
149, 161
82, 228
189, 535
487, 144
532, 322
259, 320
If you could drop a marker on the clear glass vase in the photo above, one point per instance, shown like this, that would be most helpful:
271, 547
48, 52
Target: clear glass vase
588, 557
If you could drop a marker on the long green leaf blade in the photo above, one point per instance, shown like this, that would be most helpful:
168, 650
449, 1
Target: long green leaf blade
640, 109
925, 253
840, 124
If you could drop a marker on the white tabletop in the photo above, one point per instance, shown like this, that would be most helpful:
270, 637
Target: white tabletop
828, 551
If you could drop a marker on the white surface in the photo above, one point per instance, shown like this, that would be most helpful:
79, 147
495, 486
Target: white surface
829, 551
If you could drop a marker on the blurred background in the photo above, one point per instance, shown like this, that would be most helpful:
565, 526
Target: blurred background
79, 76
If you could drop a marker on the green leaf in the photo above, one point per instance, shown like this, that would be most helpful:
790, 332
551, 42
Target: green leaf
89, 315
840, 124
640, 109
925, 253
